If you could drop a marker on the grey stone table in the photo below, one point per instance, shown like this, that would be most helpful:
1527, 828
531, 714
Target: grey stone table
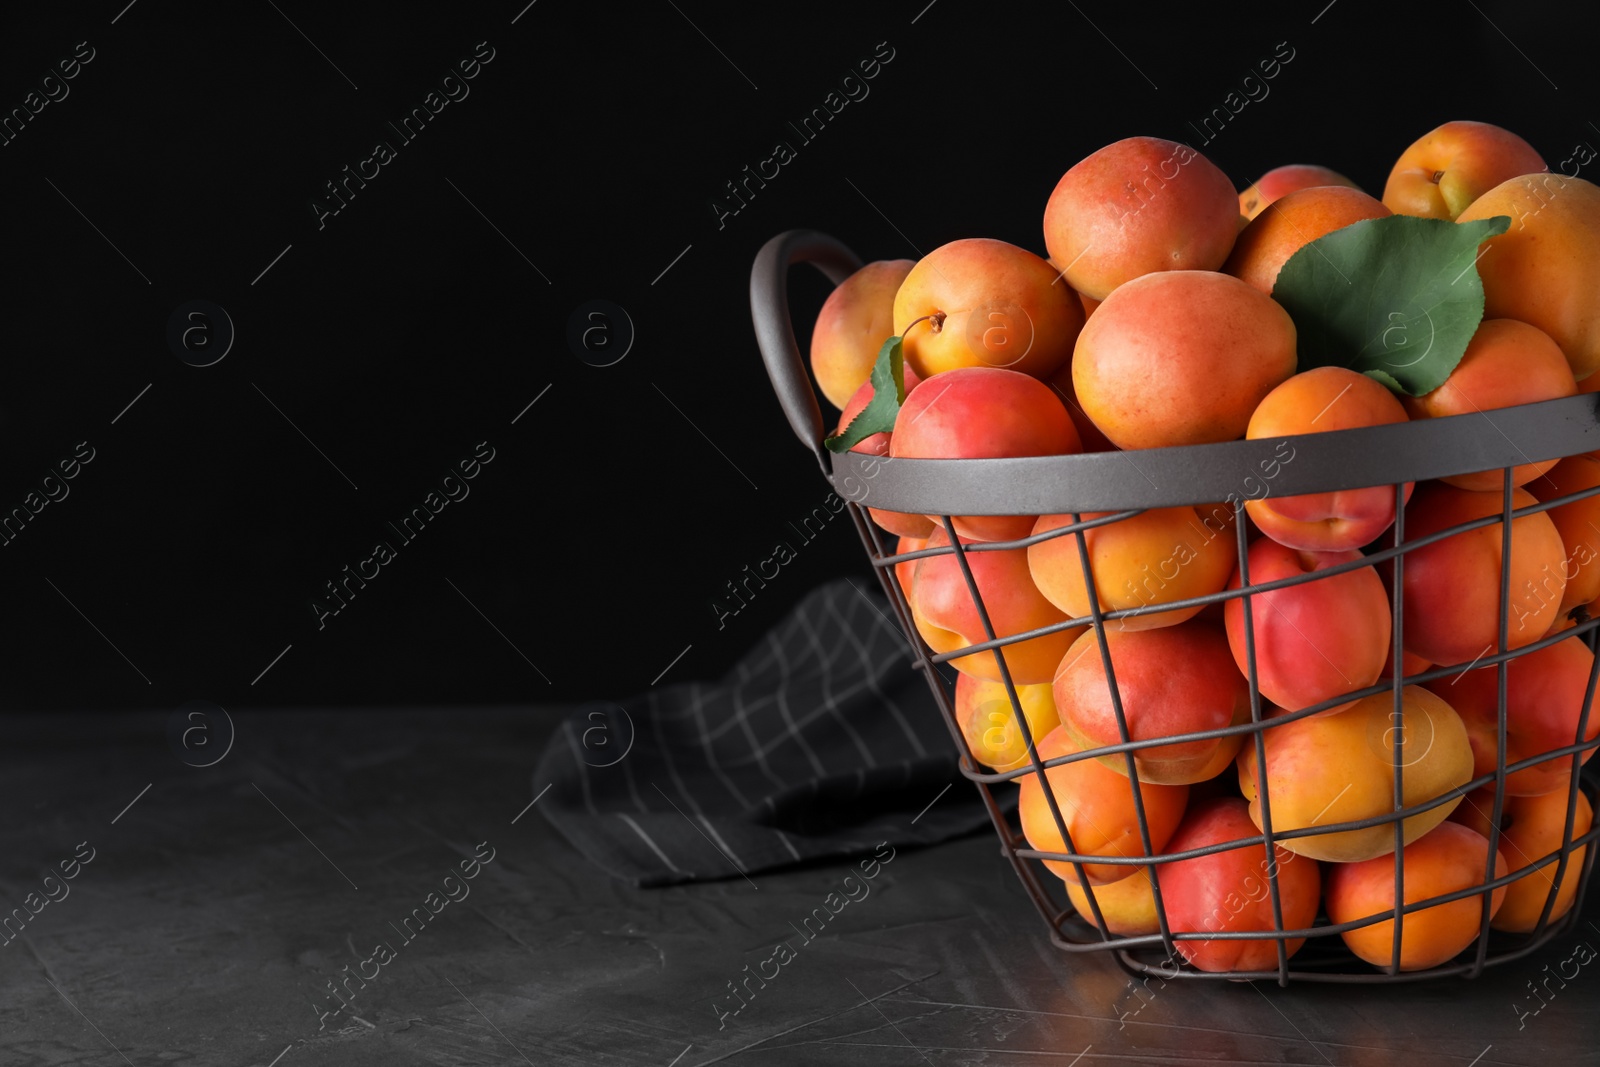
217, 906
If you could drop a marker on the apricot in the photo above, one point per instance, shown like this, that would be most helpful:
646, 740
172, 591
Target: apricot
1448, 168
1531, 828
1127, 905
989, 722
903, 571
1340, 767
1231, 891
1281, 181
1313, 641
855, 320
896, 522
1291, 223
1181, 357
1137, 206
1546, 269
1506, 362
1544, 705
947, 619
1097, 806
1577, 522
1152, 558
1447, 859
1175, 680
1314, 401
995, 305
983, 413
1452, 587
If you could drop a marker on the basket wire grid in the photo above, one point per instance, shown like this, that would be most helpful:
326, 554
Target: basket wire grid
1323, 957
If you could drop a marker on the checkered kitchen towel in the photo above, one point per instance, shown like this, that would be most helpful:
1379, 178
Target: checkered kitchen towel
822, 741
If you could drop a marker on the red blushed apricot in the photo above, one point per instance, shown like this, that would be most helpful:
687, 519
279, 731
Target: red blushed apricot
983, 413
1447, 859
896, 522
1507, 362
1281, 181
945, 615
1097, 806
1531, 828
1290, 224
994, 305
1452, 587
1182, 357
1313, 641
1448, 168
1231, 891
1544, 705
1577, 522
1315, 401
855, 320
1137, 206
1152, 558
1176, 680
989, 722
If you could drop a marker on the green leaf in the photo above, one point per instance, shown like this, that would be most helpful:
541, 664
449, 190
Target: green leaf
1395, 298
879, 414
1387, 380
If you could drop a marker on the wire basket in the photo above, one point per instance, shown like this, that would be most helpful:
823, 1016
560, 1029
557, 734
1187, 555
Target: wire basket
1103, 484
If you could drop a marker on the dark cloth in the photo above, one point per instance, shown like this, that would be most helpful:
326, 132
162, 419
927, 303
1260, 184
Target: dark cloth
821, 742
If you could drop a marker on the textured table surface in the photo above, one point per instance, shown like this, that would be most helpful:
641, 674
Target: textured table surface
219, 905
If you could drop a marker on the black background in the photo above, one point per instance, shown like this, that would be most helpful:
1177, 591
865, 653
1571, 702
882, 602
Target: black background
410, 327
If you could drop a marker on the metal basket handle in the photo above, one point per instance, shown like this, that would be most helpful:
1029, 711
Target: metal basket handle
769, 310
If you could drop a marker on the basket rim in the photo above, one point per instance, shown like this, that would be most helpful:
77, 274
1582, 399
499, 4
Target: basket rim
1334, 460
